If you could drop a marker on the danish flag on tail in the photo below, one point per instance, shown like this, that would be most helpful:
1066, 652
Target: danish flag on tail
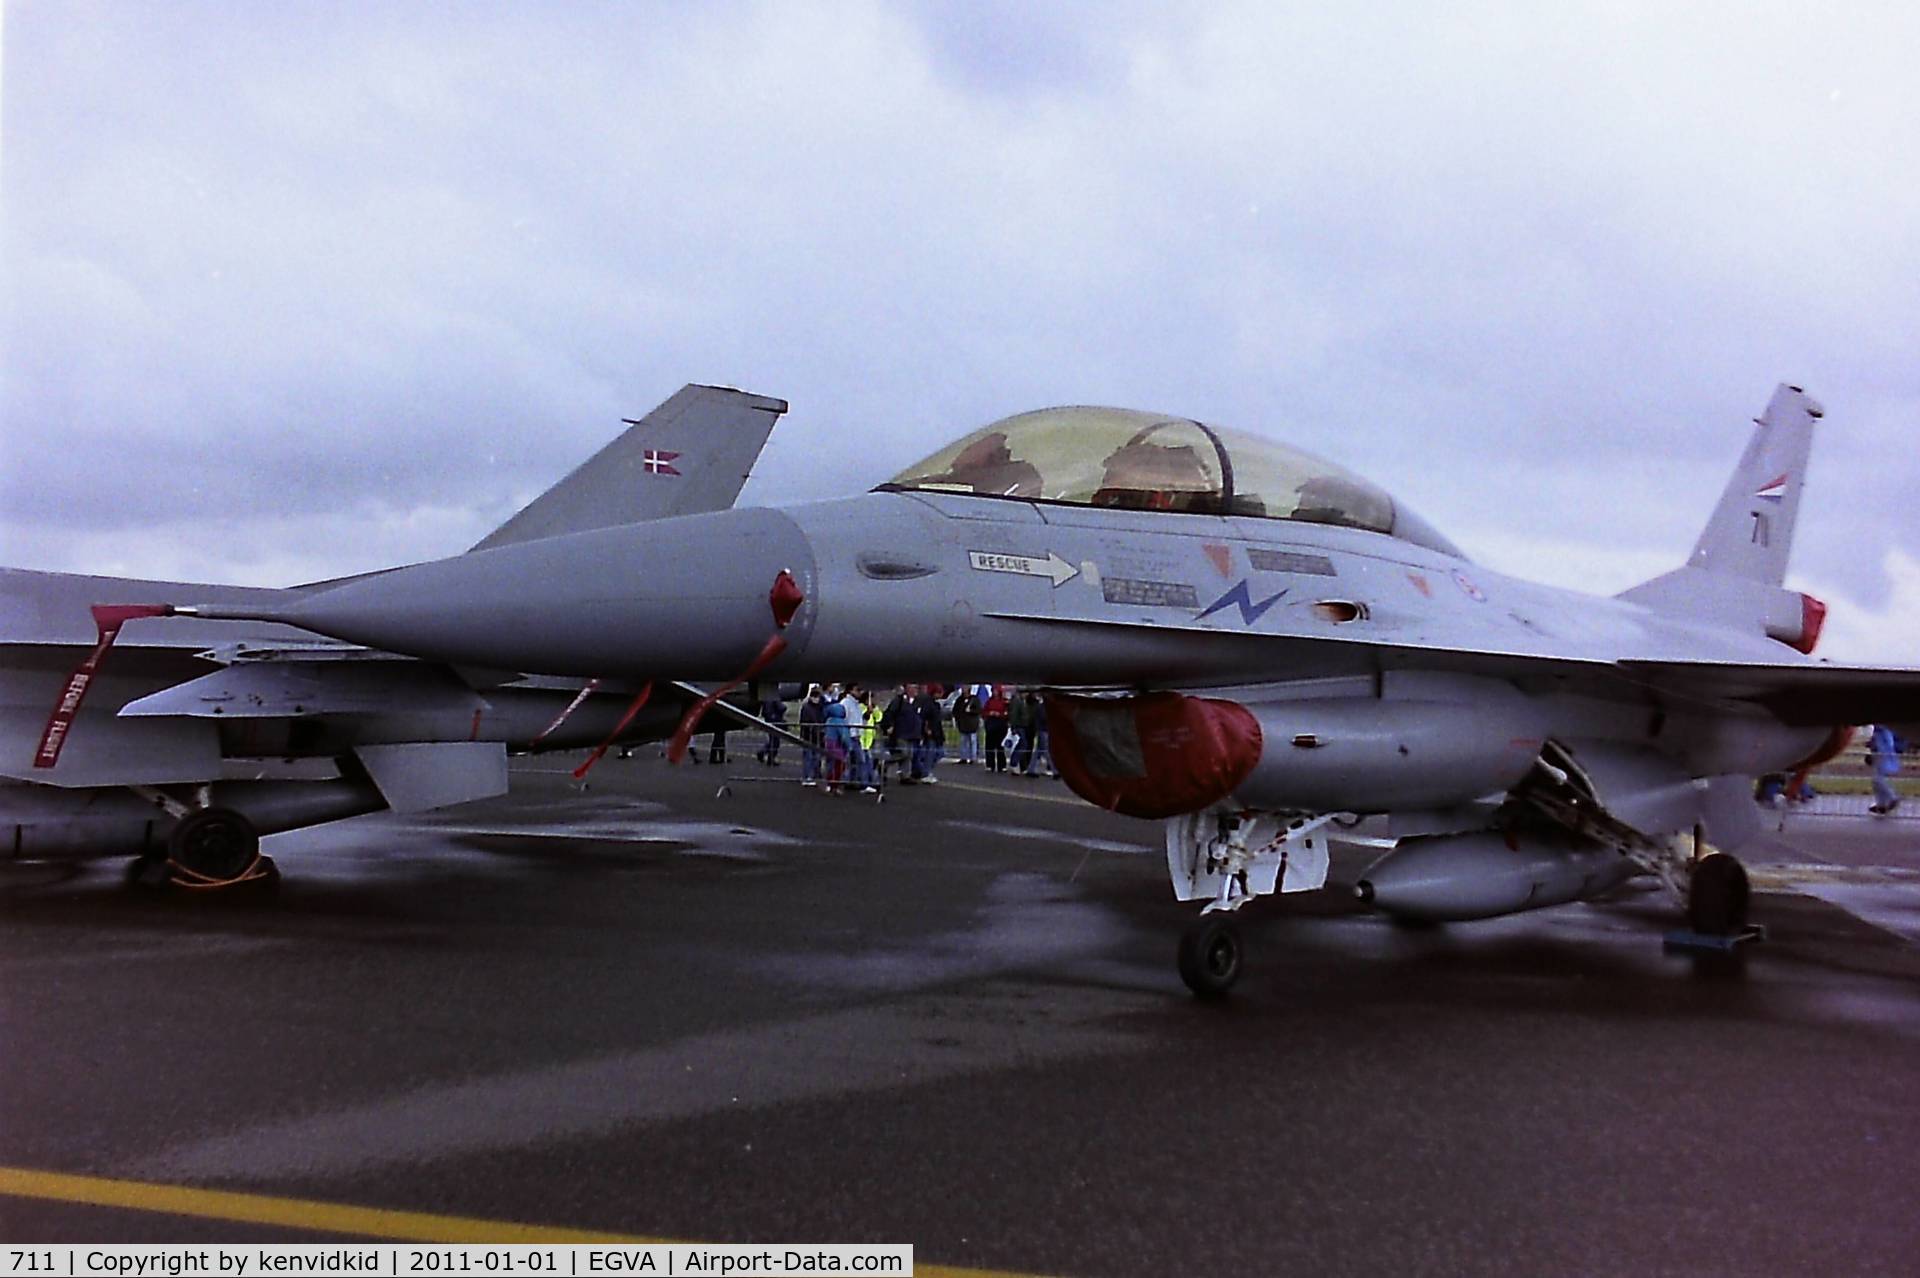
1774, 489
655, 462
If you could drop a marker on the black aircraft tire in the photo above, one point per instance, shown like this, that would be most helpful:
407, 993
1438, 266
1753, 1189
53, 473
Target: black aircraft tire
1717, 897
1211, 956
218, 844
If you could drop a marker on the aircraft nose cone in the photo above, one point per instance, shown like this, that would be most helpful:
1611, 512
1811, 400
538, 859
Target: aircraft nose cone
692, 598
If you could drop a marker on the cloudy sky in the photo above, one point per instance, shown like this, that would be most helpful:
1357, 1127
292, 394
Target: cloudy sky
296, 290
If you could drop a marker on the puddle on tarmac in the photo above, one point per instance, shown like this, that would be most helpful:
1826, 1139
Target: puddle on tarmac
1054, 837
1028, 920
1891, 906
388, 845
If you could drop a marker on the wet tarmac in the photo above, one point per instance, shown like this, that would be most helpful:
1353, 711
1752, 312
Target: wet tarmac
952, 1019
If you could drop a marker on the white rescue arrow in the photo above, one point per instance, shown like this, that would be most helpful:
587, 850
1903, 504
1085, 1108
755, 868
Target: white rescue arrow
1052, 567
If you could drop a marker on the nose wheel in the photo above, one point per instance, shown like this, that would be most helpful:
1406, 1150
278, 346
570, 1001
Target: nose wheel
1211, 956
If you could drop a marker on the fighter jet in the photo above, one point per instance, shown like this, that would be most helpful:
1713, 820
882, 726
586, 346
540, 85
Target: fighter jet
199, 737
1241, 640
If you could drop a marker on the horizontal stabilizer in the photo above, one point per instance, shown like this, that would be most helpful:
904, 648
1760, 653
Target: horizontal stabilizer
415, 777
227, 654
293, 689
688, 456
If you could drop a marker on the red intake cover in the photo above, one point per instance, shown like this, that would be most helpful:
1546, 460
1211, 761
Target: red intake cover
1155, 755
785, 598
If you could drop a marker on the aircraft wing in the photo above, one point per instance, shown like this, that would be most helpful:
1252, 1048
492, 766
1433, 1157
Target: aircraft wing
686, 457
1802, 695
1808, 694
1321, 656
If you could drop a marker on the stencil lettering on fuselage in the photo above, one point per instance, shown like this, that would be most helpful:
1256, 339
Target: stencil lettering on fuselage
1267, 560
1151, 594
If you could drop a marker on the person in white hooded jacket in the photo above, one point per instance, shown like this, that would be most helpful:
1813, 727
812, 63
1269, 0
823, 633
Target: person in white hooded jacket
860, 733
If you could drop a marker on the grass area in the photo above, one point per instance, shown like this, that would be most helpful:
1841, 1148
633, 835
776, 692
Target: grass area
1850, 773
1844, 783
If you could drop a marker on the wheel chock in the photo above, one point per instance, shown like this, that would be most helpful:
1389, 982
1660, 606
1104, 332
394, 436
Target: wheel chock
1691, 942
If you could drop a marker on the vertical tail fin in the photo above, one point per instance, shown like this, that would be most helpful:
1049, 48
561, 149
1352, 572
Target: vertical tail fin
1751, 531
1734, 575
688, 456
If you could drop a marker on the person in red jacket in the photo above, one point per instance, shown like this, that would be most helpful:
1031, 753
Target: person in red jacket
993, 712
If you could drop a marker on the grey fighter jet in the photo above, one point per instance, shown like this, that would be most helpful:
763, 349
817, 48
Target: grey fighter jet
1243, 641
196, 738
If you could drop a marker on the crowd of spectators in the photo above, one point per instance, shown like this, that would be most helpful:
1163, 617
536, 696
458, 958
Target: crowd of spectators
856, 738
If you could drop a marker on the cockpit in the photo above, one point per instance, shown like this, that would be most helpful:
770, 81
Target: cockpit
1126, 460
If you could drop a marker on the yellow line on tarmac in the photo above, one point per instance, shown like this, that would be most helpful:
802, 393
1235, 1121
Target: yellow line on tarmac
286, 1213
332, 1218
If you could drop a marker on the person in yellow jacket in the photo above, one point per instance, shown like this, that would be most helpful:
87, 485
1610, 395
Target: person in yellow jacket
860, 719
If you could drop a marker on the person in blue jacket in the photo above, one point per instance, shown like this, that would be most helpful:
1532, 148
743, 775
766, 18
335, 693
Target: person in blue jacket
1883, 756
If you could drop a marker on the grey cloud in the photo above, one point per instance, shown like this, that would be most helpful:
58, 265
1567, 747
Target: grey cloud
289, 271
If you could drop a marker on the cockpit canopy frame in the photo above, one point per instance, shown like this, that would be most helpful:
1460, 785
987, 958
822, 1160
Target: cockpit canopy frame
1122, 459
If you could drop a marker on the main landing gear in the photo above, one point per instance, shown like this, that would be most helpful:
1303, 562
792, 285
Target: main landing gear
1717, 896
1710, 886
209, 847
1717, 924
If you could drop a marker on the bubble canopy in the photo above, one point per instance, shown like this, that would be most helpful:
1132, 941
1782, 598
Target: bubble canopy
1127, 460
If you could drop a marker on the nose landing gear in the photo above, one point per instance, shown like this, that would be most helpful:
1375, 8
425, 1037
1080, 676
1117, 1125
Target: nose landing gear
1227, 858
